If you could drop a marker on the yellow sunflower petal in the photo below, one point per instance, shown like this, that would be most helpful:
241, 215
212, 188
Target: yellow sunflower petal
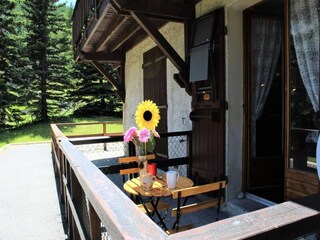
147, 115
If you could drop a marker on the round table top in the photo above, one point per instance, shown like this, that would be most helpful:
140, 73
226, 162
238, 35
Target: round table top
159, 188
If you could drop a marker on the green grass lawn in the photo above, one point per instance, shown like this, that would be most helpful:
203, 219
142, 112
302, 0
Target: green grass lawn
41, 131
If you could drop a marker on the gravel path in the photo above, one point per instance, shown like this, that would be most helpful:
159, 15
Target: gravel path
29, 205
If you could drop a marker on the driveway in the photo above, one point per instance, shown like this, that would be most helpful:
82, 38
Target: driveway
29, 205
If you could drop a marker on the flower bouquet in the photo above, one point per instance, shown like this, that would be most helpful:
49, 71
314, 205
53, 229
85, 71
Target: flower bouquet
147, 119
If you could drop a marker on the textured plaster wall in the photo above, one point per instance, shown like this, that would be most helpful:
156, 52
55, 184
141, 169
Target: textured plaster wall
234, 85
179, 102
207, 6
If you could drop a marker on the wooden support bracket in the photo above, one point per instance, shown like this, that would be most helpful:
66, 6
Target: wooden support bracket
120, 89
164, 46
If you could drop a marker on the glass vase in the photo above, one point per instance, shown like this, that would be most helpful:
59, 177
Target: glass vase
143, 165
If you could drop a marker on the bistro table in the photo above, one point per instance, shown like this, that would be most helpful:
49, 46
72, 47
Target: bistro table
159, 189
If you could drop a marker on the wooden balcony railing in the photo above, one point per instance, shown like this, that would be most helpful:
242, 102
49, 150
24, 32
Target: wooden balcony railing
84, 11
95, 208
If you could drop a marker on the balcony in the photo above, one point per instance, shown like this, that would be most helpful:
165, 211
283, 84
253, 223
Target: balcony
108, 29
104, 30
97, 208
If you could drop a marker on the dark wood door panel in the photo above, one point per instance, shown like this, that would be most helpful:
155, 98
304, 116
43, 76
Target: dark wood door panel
208, 133
208, 150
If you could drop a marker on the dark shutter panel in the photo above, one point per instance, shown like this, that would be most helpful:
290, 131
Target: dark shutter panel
202, 48
155, 89
199, 63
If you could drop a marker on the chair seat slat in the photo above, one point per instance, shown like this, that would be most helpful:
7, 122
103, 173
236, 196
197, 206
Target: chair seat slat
129, 171
135, 158
161, 206
199, 189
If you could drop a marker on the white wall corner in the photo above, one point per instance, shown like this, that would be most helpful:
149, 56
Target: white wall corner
234, 97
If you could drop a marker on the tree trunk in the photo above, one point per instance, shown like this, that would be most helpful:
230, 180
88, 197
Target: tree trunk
44, 75
103, 104
2, 118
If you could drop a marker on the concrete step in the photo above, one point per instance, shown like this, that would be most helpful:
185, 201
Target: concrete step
245, 204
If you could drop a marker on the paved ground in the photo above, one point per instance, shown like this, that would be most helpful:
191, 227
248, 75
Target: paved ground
29, 205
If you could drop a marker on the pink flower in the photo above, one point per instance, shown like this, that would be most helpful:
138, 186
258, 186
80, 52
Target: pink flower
130, 134
144, 135
156, 134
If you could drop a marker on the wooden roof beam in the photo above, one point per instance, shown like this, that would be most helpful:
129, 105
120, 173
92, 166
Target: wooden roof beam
119, 87
125, 39
100, 45
114, 57
158, 8
164, 46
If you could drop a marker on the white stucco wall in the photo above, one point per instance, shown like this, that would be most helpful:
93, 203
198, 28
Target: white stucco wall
179, 102
234, 85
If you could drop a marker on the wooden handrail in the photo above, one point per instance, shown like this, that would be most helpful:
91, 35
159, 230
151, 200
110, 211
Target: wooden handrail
56, 132
122, 217
86, 123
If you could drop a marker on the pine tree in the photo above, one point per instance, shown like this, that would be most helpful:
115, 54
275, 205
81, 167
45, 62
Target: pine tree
9, 84
92, 94
49, 49
60, 60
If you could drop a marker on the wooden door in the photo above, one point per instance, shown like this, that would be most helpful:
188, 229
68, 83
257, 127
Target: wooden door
208, 116
155, 89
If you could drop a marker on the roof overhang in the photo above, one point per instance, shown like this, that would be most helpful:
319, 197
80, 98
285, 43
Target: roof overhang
112, 27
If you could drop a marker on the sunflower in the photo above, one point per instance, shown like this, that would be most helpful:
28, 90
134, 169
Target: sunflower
147, 115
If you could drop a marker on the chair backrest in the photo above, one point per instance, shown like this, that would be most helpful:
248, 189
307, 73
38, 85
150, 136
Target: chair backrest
196, 190
133, 159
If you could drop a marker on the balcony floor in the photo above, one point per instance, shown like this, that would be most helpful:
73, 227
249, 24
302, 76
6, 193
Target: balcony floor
29, 205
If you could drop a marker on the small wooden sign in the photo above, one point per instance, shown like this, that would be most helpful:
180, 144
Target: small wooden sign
206, 97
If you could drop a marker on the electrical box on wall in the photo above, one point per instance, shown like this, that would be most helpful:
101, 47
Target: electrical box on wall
207, 66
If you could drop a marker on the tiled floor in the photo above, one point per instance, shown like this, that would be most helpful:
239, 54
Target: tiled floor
197, 219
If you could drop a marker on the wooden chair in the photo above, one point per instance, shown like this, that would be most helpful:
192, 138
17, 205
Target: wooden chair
130, 172
193, 191
130, 160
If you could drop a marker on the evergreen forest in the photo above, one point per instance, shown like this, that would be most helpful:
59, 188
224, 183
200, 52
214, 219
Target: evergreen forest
39, 80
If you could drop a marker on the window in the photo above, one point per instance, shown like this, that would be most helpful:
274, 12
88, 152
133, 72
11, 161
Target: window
303, 83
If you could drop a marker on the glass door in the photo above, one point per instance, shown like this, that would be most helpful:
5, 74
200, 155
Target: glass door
265, 163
